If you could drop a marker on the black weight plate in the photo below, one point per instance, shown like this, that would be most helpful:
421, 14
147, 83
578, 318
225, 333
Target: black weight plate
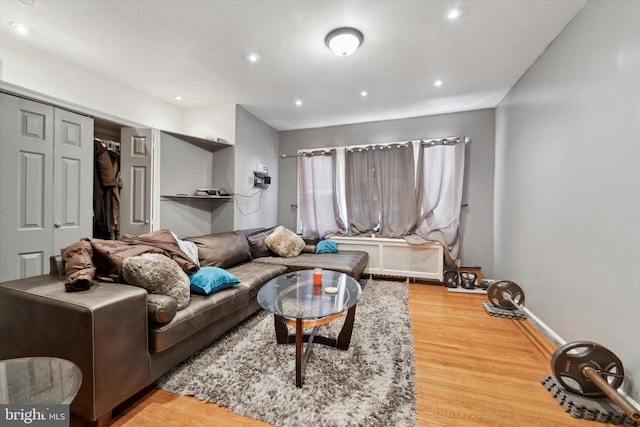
569, 360
497, 290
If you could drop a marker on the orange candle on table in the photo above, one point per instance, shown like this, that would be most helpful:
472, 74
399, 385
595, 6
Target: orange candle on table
317, 276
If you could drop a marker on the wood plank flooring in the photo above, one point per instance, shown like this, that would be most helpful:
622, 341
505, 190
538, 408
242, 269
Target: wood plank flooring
471, 370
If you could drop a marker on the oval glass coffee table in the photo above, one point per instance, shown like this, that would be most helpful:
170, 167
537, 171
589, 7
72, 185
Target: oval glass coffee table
295, 300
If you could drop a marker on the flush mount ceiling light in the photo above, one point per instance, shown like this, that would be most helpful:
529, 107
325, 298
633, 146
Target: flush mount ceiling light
20, 28
344, 41
253, 57
453, 14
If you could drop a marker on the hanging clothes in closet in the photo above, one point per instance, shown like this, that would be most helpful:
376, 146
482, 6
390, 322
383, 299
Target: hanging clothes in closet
106, 190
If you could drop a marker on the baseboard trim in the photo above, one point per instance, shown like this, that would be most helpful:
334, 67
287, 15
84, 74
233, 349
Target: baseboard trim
546, 341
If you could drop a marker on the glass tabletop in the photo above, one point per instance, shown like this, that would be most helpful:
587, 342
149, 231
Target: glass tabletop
38, 380
293, 295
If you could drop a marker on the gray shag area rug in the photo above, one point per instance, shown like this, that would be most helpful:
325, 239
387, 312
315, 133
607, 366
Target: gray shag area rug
370, 384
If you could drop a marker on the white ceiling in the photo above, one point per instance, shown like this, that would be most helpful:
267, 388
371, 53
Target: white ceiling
198, 49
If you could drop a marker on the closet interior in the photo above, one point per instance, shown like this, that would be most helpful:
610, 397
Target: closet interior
107, 179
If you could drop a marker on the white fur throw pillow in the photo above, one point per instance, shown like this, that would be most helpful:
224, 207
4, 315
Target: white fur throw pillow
284, 242
158, 274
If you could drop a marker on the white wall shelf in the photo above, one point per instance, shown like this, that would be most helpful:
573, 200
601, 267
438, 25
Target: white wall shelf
205, 144
186, 196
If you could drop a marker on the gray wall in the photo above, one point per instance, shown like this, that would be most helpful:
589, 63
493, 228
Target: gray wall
477, 219
183, 169
567, 199
256, 142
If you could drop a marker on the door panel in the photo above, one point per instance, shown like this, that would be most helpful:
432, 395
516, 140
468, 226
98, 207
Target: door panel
73, 151
26, 185
31, 264
135, 196
31, 191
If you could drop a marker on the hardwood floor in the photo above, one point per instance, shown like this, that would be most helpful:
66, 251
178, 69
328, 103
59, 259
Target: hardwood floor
471, 370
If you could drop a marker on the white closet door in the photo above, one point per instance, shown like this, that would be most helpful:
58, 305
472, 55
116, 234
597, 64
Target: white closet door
136, 166
26, 187
73, 179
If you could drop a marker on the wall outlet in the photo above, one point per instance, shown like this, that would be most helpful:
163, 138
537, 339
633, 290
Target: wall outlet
261, 168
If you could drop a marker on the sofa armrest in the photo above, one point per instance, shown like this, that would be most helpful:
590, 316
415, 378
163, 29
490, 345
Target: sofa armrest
102, 330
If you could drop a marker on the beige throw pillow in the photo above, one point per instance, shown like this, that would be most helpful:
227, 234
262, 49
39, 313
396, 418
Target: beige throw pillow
284, 242
158, 274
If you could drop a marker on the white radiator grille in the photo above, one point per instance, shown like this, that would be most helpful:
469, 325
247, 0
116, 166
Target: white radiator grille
396, 257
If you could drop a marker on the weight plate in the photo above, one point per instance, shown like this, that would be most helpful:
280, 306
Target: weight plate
500, 292
569, 360
468, 279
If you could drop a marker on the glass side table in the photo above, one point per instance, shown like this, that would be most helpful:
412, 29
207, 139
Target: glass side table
39, 380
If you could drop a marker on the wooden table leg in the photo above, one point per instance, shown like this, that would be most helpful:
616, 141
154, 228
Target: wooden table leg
282, 333
344, 339
342, 342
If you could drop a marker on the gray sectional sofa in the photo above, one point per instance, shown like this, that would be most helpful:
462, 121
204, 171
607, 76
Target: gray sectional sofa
124, 339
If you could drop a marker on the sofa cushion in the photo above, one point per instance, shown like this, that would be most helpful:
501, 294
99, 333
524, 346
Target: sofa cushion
257, 244
284, 242
351, 262
309, 249
254, 274
161, 308
202, 311
158, 274
208, 280
222, 249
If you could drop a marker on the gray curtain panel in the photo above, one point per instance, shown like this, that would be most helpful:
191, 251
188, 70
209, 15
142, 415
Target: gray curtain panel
380, 189
395, 181
361, 191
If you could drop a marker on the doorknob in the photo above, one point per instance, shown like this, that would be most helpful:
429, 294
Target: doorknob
57, 224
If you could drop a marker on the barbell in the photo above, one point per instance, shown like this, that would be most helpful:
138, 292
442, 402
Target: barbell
584, 368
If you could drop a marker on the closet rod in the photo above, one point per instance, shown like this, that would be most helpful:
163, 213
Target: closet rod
109, 144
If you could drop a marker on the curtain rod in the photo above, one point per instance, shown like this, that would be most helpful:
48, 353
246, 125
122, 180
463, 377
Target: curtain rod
431, 142
446, 141
322, 152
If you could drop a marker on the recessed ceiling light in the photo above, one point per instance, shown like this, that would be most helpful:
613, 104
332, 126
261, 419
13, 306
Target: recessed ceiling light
438, 83
254, 57
20, 28
453, 14
344, 41
177, 97
364, 93
298, 102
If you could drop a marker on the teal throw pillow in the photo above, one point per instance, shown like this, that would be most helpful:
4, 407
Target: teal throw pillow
208, 280
326, 247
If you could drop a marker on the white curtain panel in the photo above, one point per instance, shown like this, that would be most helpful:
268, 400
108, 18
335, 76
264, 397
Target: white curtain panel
440, 186
316, 183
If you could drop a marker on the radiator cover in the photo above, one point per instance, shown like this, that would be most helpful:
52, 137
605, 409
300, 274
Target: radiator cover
397, 258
